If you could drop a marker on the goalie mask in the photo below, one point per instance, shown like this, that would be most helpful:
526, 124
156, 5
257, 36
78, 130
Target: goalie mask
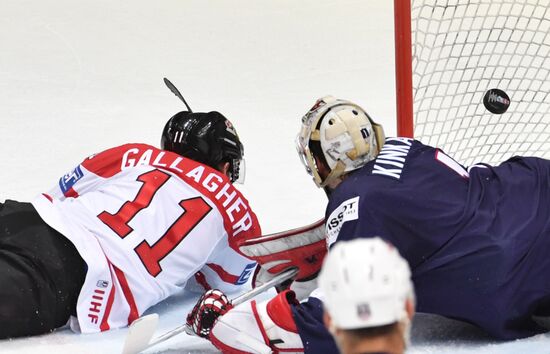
209, 138
340, 134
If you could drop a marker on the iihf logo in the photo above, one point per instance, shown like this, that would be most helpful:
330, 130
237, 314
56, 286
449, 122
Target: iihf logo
96, 303
363, 311
102, 283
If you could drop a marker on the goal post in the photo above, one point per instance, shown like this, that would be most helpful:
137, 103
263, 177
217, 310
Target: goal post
449, 53
403, 68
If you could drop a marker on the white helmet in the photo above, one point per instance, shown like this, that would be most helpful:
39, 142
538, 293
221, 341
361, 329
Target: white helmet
365, 283
345, 134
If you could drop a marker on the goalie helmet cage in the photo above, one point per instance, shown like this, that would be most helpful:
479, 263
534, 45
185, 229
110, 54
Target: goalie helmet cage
450, 52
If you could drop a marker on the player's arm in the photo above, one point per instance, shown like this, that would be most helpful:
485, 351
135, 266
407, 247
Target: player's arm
280, 324
251, 327
262, 327
225, 269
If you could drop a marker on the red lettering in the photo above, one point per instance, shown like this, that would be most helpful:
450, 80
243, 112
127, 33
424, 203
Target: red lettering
93, 318
95, 306
118, 221
194, 210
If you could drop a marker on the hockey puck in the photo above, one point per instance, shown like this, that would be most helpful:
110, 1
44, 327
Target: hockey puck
496, 101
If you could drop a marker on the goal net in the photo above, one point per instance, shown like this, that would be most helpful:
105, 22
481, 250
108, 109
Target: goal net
459, 49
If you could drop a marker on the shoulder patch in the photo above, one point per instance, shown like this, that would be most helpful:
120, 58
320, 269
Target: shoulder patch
69, 179
243, 278
348, 210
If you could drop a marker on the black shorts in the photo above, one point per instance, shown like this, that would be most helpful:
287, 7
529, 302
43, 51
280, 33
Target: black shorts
41, 273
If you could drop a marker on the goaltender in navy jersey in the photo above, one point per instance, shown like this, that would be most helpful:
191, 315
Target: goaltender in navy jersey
148, 223
477, 240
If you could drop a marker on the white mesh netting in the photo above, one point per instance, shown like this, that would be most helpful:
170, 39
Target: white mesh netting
462, 48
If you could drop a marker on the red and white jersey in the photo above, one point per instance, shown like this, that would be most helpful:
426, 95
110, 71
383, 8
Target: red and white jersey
148, 222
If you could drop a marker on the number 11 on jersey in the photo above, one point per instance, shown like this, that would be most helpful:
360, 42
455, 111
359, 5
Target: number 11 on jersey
193, 211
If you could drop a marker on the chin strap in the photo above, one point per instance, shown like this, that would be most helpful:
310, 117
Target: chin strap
336, 172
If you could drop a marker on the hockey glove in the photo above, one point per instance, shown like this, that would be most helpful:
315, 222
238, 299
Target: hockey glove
303, 247
210, 306
259, 328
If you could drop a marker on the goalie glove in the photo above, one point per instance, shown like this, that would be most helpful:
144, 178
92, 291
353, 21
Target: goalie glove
210, 306
267, 327
304, 248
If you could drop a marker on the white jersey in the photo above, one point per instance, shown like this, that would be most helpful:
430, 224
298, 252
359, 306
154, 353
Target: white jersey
148, 222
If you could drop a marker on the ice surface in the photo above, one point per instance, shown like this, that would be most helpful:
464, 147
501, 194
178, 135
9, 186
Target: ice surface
77, 77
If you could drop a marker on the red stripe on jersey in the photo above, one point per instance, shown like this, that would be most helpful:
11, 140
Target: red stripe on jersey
104, 326
133, 315
225, 276
71, 193
224, 348
201, 279
259, 321
48, 197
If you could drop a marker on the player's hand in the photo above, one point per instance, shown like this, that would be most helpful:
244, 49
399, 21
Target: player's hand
266, 327
210, 306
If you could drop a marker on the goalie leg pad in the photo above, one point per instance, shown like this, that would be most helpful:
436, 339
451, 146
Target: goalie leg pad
259, 328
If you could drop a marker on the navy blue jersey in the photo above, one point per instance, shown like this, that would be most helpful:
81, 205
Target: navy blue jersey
308, 317
477, 240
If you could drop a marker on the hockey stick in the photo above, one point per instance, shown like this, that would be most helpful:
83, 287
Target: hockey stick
176, 92
141, 331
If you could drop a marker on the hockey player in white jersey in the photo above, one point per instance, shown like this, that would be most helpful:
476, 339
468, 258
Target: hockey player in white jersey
125, 229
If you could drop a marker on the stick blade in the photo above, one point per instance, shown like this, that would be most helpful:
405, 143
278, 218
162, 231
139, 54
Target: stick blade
176, 92
140, 333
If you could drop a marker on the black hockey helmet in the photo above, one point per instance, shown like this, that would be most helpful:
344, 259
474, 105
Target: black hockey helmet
209, 138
